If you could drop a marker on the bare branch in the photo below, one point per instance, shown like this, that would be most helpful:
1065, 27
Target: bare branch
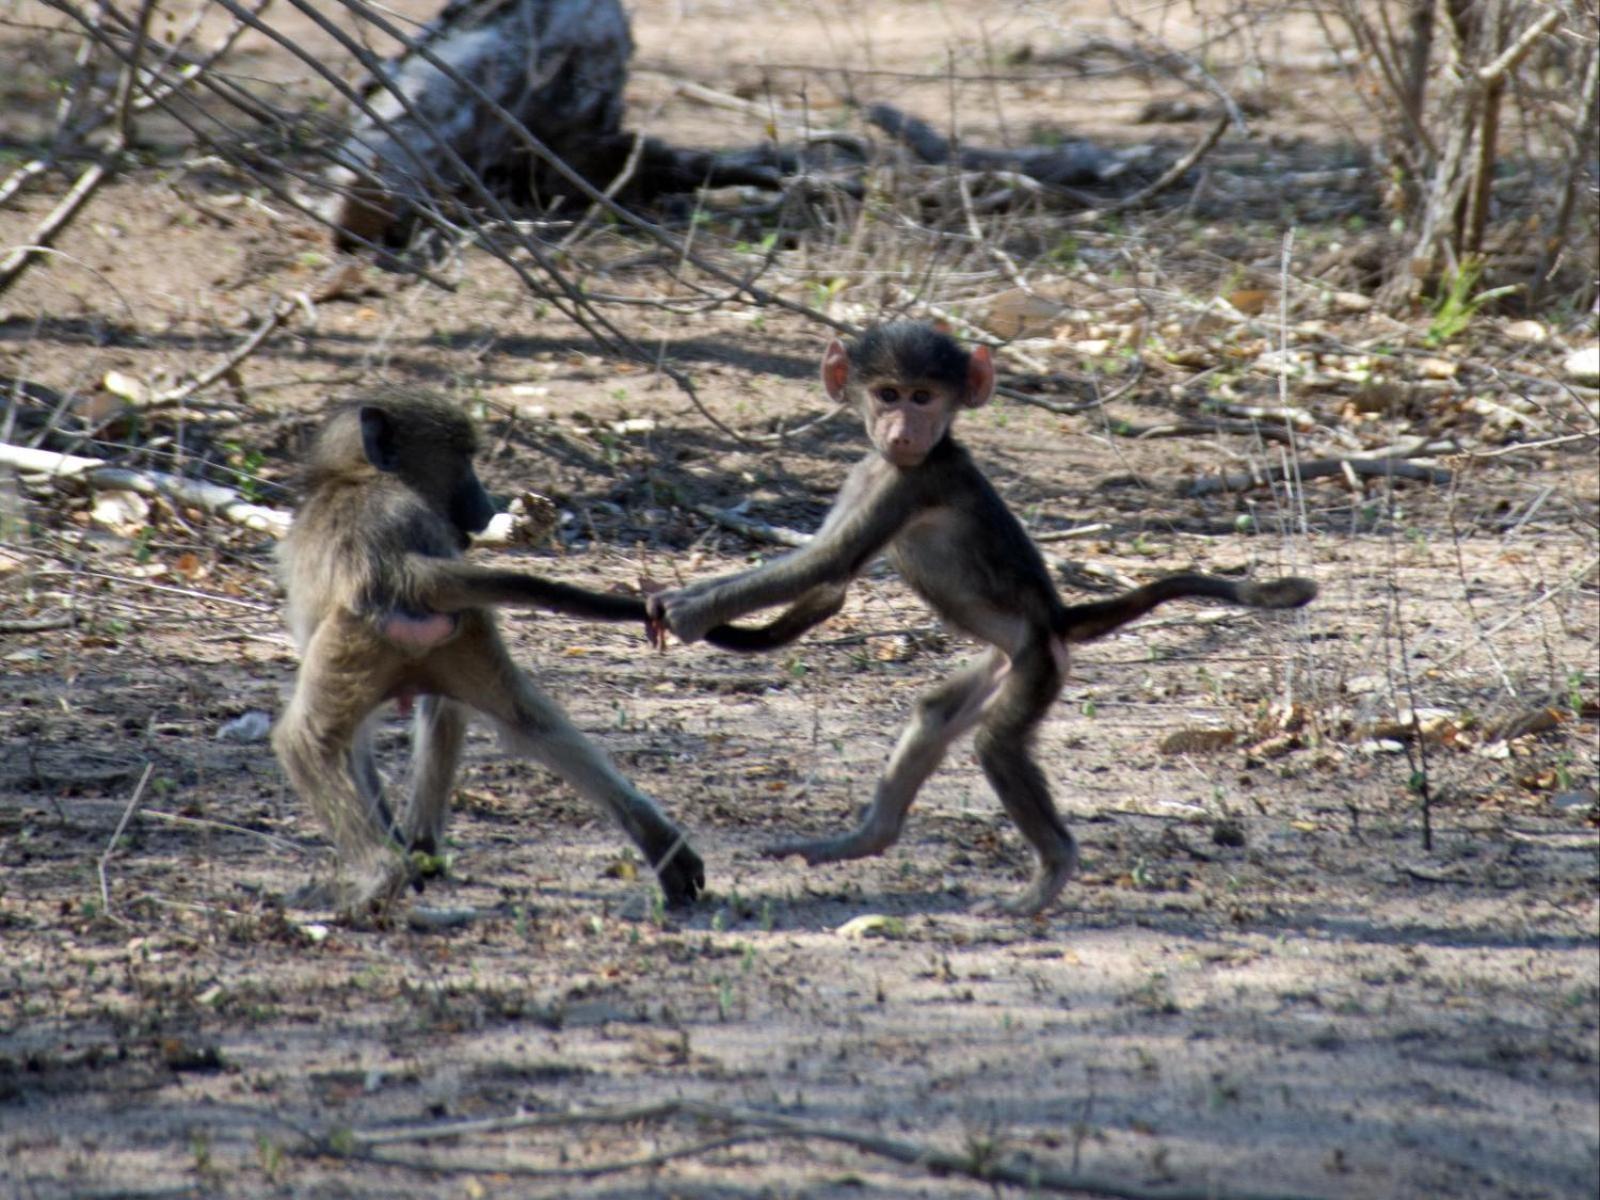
1168, 177
1514, 53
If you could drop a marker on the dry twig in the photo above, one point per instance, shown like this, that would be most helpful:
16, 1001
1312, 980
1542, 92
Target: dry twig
986, 1164
111, 846
1317, 468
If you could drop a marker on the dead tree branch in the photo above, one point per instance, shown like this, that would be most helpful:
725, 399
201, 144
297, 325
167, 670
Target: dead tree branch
985, 1164
213, 497
1319, 468
1168, 177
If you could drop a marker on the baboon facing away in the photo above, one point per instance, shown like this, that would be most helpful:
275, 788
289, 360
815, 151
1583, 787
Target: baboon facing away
919, 496
383, 608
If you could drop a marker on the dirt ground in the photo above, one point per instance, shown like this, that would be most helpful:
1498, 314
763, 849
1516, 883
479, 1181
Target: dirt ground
1262, 983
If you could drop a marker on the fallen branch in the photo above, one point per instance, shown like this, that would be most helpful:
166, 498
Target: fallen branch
280, 313
1168, 177
758, 531
1166, 429
40, 624
1077, 531
213, 497
1383, 468
986, 1166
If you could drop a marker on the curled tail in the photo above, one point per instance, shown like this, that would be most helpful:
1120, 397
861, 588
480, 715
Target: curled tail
1086, 622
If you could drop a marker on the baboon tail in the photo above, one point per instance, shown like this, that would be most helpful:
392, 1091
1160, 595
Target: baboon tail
1086, 622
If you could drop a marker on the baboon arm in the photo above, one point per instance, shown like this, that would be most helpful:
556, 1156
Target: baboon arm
448, 585
863, 521
1086, 622
809, 611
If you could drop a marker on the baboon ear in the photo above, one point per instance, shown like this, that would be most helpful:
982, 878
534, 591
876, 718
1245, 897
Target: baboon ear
378, 439
980, 378
835, 370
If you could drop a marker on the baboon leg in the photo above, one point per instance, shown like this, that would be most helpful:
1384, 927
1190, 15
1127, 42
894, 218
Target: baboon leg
1004, 747
315, 739
440, 729
364, 767
942, 715
478, 672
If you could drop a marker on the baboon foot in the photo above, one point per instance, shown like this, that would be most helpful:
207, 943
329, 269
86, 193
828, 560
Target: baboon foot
1041, 893
356, 897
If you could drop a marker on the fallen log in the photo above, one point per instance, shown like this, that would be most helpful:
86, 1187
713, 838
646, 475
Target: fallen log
558, 68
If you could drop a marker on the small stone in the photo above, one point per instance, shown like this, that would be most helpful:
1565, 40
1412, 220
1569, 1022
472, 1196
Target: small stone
1583, 366
1527, 331
250, 727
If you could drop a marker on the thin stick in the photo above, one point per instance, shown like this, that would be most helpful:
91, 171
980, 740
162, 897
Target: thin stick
111, 846
19, 260
272, 839
1016, 1170
1317, 468
150, 585
40, 624
1495, 71
758, 531
1168, 177
280, 313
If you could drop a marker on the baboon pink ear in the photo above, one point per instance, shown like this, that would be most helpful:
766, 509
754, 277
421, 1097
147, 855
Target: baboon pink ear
378, 440
980, 378
835, 369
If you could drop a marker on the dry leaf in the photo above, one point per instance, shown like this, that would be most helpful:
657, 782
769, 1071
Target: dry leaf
1538, 720
126, 387
1197, 741
124, 512
872, 925
1252, 302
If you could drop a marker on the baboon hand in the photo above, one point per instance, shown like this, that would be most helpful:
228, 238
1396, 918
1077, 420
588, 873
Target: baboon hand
682, 610
681, 873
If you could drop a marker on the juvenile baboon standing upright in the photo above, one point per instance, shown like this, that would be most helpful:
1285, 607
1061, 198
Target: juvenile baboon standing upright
383, 608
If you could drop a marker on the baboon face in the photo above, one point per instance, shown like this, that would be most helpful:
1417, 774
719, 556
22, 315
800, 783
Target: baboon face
908, 382
434, 458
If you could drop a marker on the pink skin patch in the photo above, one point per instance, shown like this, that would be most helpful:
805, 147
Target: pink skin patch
419, 633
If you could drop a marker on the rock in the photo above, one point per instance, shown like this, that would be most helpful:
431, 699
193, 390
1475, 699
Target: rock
1583, 366
250, 727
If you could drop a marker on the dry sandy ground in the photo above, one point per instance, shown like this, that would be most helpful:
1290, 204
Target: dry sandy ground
1262, 984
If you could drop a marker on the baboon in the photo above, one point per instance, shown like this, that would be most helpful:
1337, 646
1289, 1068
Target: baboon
919, 496
383, 608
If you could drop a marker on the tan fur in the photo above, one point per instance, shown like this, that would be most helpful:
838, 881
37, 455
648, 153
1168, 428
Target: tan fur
383, 609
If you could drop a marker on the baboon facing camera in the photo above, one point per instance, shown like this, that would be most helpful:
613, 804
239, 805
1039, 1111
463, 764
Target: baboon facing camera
383, 608
919, 497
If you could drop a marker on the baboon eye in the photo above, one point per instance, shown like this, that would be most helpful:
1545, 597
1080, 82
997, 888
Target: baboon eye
889, 395
921, 396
